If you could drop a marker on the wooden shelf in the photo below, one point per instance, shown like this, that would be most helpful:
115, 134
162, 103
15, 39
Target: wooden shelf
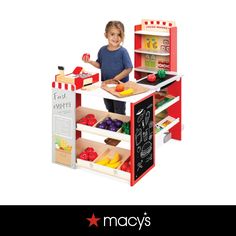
146, 69
155, 33
173, 77
173, 122
100, 115
166, 105
152, 52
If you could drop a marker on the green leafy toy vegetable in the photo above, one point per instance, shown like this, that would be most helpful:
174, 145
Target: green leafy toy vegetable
161, 74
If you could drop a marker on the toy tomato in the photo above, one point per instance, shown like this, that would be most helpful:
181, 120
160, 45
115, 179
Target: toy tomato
89, 149
128, 169
83, 121
125, 166
91, 122
151, 78
92, 156
86, 57
120, 87
89, 116
83, 156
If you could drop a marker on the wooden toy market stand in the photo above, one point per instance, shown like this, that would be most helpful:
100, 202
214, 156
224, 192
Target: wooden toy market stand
67, 140
68, 110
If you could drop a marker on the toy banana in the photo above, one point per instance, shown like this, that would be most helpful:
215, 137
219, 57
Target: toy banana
63, 143
115, 159
114, 165
127, 92
105, 160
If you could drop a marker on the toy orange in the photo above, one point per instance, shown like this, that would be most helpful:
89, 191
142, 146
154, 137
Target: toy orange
120, 87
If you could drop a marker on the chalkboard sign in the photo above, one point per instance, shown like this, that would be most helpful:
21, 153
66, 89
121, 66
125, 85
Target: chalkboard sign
143, 136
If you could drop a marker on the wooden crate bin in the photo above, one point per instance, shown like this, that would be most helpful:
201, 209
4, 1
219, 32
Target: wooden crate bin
123, 153
83, 111
82, 144
114, 116
102, 150
62, 157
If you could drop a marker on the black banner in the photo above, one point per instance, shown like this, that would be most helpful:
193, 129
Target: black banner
112, 219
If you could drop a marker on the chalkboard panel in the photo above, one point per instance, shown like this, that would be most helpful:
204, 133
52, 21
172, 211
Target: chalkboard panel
143, 136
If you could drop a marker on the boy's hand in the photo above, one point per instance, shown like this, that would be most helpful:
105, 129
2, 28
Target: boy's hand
111, 81
86, 57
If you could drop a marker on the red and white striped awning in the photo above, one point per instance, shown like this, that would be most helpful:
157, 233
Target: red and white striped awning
63, 86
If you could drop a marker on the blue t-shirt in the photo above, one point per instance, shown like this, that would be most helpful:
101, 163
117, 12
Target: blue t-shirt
113, 63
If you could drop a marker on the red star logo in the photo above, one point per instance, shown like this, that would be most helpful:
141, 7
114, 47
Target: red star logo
93, 220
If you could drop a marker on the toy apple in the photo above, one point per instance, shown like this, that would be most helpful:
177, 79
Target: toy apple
151, 78
86, 57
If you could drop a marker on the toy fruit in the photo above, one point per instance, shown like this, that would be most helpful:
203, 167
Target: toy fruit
108, 120
127, 92
91, 121
114, 165
112, 127
89, 149
102, 125
104, 161
92, 156
83, 155
120, 87
86, 57
128, 169
83, 121
126, 166
118, 123
115, 158
151, 78
90, 116
161, 74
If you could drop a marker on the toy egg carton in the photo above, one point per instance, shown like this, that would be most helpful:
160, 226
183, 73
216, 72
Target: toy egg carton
79, 77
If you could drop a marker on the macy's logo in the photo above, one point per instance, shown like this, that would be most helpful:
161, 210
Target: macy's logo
122, 221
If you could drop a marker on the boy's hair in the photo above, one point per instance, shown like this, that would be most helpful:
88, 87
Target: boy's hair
117, 24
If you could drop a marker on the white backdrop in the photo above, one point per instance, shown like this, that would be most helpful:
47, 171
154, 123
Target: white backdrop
37, 36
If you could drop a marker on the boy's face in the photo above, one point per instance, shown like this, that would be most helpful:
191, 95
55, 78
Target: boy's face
114, 37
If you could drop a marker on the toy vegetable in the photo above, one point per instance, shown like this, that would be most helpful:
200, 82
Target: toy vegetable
161, 74
120, 87
126, 127
151, 78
